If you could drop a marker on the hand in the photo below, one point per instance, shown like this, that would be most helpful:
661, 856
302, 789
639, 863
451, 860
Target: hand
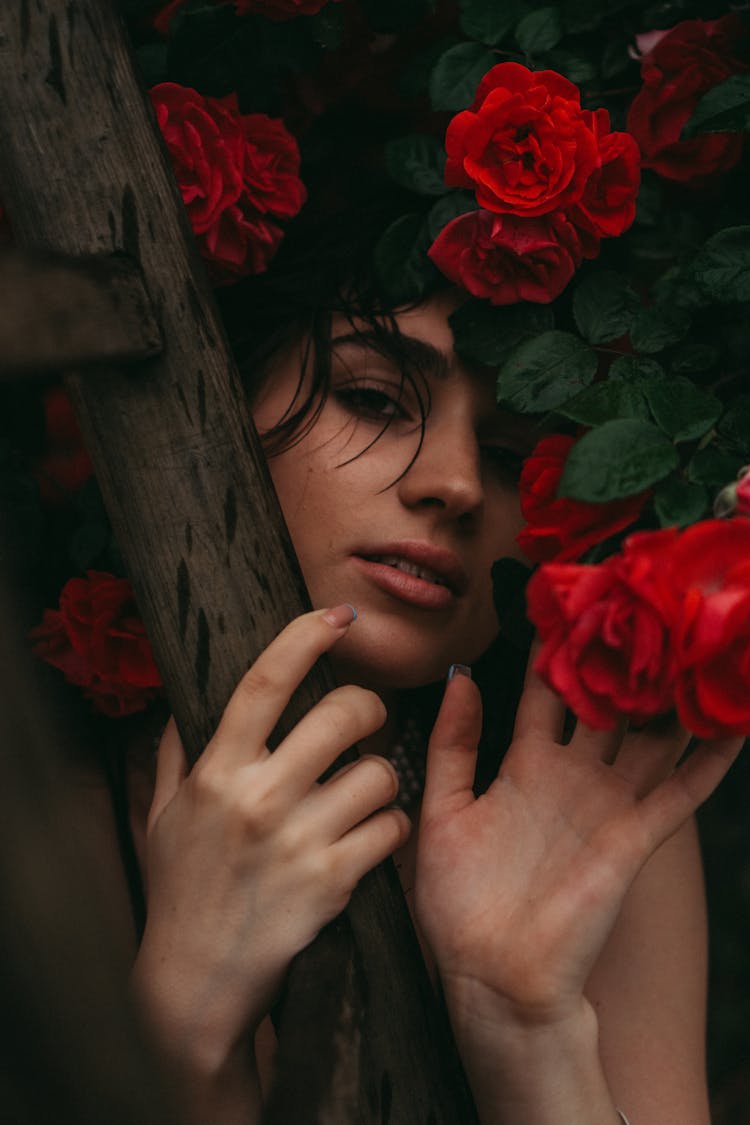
247, 856
518, 889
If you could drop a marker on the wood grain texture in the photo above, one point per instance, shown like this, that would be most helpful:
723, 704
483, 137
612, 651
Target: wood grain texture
59, 312
191, 502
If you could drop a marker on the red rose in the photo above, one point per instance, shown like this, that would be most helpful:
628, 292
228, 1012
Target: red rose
559, 528
605, 631
507, 259
743, 493
607, 207
525, 146
709, 579
98, 642
279, 9
237, 174
678, 68
65, 465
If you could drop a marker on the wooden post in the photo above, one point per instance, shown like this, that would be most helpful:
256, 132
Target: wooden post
190, 499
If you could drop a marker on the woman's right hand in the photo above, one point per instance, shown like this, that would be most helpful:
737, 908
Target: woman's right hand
248, 856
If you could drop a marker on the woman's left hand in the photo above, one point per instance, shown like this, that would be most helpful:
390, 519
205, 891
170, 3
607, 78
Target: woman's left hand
517, 889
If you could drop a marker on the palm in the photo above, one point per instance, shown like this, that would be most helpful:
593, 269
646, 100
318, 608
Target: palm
519, 888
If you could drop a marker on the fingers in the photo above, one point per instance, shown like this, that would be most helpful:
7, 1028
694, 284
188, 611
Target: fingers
264, 691
598, 745
369, 844
540, 710
677, 798
171, 770
354, 793
452, 752
343, 717
649, 755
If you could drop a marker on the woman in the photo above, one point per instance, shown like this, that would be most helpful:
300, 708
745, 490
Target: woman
563, 909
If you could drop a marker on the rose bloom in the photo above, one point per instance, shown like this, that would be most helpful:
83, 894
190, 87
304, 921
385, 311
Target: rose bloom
506, 259
606, 633
678, 67
237, 174
558, 528
65, 465
97, 640
525, 146
709, 576
607, 206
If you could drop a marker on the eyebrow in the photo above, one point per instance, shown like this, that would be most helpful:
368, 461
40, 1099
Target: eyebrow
425, 357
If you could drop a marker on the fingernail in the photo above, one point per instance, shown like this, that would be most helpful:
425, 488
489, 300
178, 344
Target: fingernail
340, 615
459, 670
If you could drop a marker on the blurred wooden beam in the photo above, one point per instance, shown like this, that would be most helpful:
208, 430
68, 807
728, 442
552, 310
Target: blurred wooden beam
59, 312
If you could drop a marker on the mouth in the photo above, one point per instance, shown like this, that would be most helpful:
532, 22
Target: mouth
415, 571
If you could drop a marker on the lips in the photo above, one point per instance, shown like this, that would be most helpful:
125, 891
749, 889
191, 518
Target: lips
414, 571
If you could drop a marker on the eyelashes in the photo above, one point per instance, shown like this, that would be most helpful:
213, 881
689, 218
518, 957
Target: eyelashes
372, 402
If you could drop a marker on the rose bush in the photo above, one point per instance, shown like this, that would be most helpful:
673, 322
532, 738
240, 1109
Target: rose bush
238, 174
507, 259
97, 640
279, 9
606, 632
678, 67
558, 528
606, 207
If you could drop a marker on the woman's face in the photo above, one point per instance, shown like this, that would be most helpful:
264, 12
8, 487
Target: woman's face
413, 555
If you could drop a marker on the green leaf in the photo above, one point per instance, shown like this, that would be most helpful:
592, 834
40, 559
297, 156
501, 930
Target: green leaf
722, 266
684, 411
401, 261
417, 162
635, 369
734, 425
614, 398
713, 467
152, 63
723, 109
488, 334
694, 358
575, 65
391, 16
87, 544
620, 458
615, 58
679, 503
604, 306
545, 372
585, 15
446, 209
659, 326
540, 30
457, 74
489, 21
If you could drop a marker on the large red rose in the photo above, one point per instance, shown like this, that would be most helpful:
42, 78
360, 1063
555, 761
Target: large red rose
237, 173
98, 642
65, 465
558, 528
525, 146
678, 68
607, 206
606, 633
508, 259
709, 579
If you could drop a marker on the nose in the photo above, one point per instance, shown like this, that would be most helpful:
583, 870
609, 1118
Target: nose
447, 472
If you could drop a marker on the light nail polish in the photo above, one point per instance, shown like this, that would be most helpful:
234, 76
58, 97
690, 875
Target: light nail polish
340, 615
459, 670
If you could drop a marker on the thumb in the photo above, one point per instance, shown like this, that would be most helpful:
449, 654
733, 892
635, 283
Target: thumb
452, 751
171, 771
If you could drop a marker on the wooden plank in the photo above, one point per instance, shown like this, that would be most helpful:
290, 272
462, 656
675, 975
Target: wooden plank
59, 312
190, 499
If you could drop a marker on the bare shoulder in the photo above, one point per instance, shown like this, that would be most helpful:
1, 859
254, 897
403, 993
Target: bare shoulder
649, 990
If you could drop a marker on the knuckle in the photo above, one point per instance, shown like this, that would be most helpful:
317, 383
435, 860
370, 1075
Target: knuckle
365, 707
380, 775
256, 684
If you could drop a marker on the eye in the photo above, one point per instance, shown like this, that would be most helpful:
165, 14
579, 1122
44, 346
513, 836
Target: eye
505, 461
370, 402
